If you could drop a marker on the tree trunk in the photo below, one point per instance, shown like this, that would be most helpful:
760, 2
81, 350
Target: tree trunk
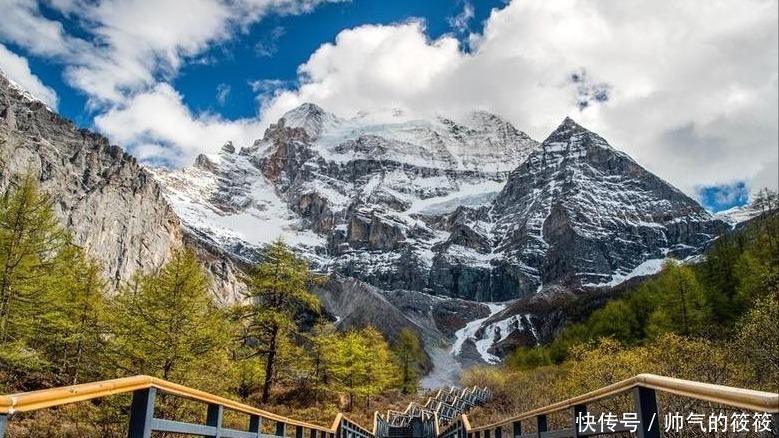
269, 365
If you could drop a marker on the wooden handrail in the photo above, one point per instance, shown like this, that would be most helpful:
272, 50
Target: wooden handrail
47, 398
736, 397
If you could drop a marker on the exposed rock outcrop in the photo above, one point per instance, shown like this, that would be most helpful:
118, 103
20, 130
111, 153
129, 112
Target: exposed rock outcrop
111, 205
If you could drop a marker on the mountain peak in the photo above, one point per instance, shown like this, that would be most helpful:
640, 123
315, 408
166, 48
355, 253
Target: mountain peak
6, 83
311, 117
569, 127
572, 138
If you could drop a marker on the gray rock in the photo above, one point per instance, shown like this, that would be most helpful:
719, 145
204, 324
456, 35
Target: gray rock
111, 205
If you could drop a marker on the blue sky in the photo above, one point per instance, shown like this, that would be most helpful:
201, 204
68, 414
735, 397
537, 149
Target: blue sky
170, 79
268, 50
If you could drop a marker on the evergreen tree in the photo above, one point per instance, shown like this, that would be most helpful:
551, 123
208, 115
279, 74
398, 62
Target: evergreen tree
277, 290
410, 355
680, 302
758, 339
69, 328
166, 325
30, 237
616, 320
360, 364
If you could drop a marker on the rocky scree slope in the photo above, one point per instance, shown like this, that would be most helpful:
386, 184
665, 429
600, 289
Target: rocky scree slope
112, 206
470, 208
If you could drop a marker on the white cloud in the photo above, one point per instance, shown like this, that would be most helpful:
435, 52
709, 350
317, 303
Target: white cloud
24, 25
17, 69
460, 22
692, 86
162, 130
222, 93
130, 51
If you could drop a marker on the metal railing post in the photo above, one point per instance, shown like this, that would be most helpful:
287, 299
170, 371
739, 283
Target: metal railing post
3, 422
578, 410
255, 424
281, 428
517, 426
214, 418
542, 425
141, 413
646, 408
298, 431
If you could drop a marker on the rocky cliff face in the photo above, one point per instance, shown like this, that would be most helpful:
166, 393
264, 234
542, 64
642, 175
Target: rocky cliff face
111, 205
578, 212
473, 208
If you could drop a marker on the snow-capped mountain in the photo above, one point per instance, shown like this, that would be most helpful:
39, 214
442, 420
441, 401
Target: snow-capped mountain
581, 212
470, 208
351, 196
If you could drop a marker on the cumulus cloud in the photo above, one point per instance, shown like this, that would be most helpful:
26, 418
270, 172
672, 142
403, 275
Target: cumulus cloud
689, 89
130, 50
17, 69
164, 131
24, 25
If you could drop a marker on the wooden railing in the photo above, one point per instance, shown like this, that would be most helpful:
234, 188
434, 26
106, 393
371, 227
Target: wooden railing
144, 390
647, 424
142, 422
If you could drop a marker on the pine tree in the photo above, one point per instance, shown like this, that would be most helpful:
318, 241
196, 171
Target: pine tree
277, 290
166, 325
681, 303
410, 354
359, 363
69, 328
30, 237
758, 338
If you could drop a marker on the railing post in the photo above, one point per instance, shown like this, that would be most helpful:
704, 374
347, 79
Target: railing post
541, 425
646, 408
517, 426
214, 418
3, 422
281, 428
141, 413
298, 431
255, 424
578, 411
313, 433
